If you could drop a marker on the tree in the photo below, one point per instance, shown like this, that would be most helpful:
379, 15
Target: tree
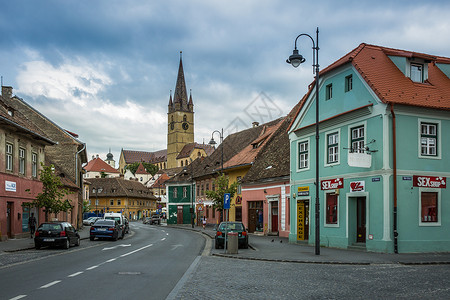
51, 199
222, 187
150, 168
86, 206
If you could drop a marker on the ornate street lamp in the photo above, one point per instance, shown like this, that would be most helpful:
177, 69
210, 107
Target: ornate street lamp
295, 60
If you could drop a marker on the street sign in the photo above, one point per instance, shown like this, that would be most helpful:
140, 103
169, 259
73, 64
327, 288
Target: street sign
226, 201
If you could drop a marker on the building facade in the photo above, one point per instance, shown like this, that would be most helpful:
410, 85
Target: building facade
382, 160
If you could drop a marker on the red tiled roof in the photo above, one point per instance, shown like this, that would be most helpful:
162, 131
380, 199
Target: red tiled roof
132, 156
189, 148
141, 169
390, 84
98, 165
159, 183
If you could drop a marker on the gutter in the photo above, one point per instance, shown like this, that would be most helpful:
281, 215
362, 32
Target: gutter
394, 154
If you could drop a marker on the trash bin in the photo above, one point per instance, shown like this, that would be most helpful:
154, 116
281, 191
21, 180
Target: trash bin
232, 243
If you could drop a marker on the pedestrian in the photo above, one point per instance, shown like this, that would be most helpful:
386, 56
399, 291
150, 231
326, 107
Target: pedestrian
32, 224
204, 222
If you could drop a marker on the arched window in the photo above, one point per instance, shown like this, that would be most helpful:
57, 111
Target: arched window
199, 154
186, 162
184, 118
181, 163
172, 119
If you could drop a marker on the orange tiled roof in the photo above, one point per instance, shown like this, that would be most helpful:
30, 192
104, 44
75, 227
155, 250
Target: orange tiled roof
390, 84
141, 169
132, 156
98, 165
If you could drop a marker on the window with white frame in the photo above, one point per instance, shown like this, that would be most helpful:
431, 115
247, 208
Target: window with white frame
34, 164
417, 72
175, 192
333, 147
9, 157
357, 139
348, 83
329, 91
429, 207
184, 192
428, 139
22, 161
239, 187
303, 155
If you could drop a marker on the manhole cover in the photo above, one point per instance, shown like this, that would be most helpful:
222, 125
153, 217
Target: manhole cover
129, 273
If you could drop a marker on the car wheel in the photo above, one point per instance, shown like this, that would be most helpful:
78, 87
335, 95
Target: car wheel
116, 237
92, 238
67, 244
77, 242
37, 246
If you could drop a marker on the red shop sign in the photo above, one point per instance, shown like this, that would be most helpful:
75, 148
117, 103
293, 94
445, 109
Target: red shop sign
430, 181
332, 184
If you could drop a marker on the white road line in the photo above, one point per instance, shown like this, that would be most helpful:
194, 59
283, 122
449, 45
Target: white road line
111, 260
18, 297
50, 284
91, 268
167, 233
126, 254
163, 239
75, 274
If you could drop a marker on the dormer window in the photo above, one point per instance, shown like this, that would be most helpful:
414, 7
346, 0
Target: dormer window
416, 72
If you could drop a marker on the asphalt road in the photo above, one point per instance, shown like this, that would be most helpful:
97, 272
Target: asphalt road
146, 265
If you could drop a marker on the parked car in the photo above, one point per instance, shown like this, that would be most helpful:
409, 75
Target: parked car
155, 219
147, 220
231, 227
116, 217
127, 225
61, 234
105, 228
91, 220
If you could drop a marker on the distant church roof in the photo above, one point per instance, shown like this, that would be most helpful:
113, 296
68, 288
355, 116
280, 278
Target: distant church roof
98, 165
131, 156
180, 98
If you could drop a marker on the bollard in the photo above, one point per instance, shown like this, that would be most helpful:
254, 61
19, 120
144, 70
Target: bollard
233, 244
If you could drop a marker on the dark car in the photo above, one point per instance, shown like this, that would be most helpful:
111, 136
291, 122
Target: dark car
105, 228
155, 219
146, 220
61, 234
227, 227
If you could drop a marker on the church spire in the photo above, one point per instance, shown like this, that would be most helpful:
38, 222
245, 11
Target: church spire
180, 95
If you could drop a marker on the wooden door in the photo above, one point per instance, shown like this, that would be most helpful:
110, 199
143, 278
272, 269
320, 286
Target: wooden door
274, 216
179, 214
9, 218
361, 220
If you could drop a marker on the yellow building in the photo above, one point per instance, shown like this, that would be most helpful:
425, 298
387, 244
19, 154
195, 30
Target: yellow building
131, 198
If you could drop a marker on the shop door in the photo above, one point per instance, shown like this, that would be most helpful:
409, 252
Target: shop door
361, 219
302, 220
274, 216
255, 216
9, 211
179, 214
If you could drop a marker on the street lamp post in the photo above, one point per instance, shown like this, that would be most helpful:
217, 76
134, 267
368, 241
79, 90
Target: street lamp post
295, 60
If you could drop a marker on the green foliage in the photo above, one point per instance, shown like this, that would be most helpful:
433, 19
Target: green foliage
103, 174
53, 192
222, 187
86, 206
150, 168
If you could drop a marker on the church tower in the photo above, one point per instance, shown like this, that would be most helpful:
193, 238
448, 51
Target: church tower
180, 130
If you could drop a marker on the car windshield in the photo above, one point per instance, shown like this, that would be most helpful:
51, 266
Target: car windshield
231, 226
51, 227
113, 218
105, 222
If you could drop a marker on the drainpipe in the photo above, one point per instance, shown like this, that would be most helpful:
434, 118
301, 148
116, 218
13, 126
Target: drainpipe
394, 154
80, 216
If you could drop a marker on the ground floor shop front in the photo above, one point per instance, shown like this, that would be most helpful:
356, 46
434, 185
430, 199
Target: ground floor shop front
358, 212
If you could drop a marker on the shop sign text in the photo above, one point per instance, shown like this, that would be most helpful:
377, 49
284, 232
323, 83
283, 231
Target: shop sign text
357, 186
429, 181
332, 184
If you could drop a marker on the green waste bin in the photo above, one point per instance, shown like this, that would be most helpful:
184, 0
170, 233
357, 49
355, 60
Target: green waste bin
232, 243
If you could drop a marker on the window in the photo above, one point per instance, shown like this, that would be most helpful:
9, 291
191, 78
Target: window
184, 118
417, 72
34, 164
203, 189
357, 139
182, 163
9, 157
111, 202
119, 202
303, 150
175, 192
239, 187
22, 161
198, 190
207, 186
348, 83
213, 186
429, 207
184, 192
428, 139
333, 147
331, 212
328, 91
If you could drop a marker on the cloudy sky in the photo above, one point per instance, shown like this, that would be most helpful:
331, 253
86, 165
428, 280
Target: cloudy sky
104, 69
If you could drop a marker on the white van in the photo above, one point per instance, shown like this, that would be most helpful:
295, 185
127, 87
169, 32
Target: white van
117, 217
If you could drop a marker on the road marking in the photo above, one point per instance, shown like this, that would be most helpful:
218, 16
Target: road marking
126, 254
163, 239
176, 246
114, 247
18, 297
111, 260
50, 284
167, 233
75, 274
90, 268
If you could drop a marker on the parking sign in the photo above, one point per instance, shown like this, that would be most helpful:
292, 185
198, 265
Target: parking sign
226, 201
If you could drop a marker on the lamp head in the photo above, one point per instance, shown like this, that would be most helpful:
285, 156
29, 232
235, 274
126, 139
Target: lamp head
212, 142
295, 59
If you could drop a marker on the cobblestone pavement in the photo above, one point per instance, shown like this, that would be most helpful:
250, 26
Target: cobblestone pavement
225, 278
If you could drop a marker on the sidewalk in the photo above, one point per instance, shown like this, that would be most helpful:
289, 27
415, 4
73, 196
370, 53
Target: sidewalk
274, 248
13, 245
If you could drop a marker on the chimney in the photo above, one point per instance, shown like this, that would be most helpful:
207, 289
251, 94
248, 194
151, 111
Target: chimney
255, 124
7, 92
